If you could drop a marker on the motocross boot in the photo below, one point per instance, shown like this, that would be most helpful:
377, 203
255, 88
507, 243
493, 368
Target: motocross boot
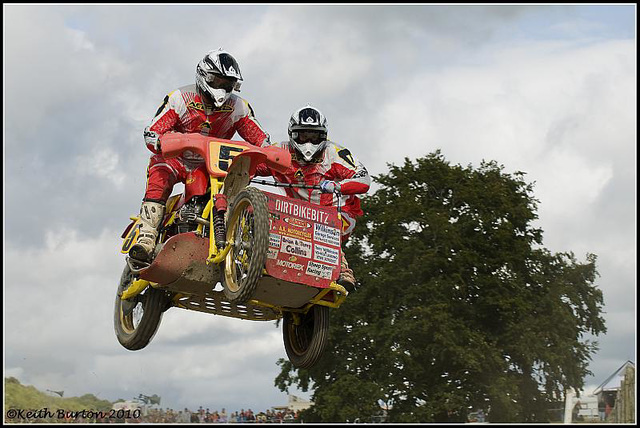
346, 278
151, 215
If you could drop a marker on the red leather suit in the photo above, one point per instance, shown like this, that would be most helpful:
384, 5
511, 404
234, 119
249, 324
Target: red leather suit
183, 111
336, 164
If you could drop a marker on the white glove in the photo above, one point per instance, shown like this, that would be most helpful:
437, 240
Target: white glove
328, 186
152, 139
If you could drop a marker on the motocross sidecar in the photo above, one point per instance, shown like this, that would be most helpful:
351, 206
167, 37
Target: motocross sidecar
281, 260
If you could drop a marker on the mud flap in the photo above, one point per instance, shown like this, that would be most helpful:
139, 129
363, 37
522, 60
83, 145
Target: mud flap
175, 257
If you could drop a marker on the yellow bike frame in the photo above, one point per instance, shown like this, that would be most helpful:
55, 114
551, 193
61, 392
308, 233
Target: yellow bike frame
216, 255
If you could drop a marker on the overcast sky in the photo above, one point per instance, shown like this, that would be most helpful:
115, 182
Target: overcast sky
548, 90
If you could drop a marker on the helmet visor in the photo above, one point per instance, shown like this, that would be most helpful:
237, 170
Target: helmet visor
216, 81
309, 136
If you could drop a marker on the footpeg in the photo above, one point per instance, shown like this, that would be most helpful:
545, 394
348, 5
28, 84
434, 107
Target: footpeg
136, 265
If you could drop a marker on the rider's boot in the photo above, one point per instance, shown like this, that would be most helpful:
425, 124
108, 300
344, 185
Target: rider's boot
346, 279
151, 215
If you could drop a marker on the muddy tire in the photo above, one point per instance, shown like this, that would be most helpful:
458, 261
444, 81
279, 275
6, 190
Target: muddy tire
248, 231
136, 323
306, 338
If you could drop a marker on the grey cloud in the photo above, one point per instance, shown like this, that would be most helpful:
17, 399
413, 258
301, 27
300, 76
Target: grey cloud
387, 77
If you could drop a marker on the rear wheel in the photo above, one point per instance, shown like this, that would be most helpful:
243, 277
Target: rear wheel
248, 233
306, 335
137, 320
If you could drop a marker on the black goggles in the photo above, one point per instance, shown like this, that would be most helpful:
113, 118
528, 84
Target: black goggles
313, 137
221, 82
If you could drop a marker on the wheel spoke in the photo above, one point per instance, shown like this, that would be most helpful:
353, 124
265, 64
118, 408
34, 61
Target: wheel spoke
243, 244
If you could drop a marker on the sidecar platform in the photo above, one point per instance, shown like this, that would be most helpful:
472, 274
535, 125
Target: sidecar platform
272, 295
215, 302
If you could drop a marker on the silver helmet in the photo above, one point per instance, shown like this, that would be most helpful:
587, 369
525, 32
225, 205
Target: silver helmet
217, 75
308, 132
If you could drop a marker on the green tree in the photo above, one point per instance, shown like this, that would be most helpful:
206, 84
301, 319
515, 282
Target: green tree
460, 306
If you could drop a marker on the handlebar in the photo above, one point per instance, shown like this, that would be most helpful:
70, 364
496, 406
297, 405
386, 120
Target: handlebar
300, 186
276, 184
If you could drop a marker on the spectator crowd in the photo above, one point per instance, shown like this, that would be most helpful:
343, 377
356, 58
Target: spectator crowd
206, 416
159, 416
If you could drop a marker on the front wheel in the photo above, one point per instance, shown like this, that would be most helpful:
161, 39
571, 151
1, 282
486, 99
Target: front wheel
248, 234
306, 335
137, 321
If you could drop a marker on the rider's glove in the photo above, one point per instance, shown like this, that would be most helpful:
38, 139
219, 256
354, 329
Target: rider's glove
328, 186
152, 139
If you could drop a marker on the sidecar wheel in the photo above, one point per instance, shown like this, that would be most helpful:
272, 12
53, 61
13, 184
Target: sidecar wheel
248, 233
135, 327
306, 341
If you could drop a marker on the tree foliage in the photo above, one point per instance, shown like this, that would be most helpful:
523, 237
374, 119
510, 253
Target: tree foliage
460, 306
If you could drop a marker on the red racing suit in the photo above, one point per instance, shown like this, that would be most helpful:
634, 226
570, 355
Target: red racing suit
183, 111
336, 164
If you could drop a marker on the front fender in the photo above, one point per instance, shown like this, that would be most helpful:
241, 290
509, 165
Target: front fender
222, 154
275, 158
244, 165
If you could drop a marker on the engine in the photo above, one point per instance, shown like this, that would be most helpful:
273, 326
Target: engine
187, 215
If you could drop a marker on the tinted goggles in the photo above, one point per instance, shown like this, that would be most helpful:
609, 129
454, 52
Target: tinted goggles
313, 137
220, 82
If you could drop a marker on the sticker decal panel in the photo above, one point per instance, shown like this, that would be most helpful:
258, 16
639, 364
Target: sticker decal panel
304, 241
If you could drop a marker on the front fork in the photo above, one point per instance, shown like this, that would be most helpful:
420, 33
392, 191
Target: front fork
218, 247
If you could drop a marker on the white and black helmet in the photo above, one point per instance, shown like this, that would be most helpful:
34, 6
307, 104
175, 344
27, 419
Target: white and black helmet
217, 75
308, 131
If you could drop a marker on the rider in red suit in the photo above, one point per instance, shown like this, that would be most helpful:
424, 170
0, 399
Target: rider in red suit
207, 107
318, 161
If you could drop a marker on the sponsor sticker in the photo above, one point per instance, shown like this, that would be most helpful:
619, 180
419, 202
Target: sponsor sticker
302, 211
274, 240
289, 265
272, 253
325, 254
295, 233
295, 247
319, 270
326, 234
296, 222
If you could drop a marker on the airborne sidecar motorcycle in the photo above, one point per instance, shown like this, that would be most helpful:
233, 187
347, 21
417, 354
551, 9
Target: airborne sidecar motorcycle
274, 256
